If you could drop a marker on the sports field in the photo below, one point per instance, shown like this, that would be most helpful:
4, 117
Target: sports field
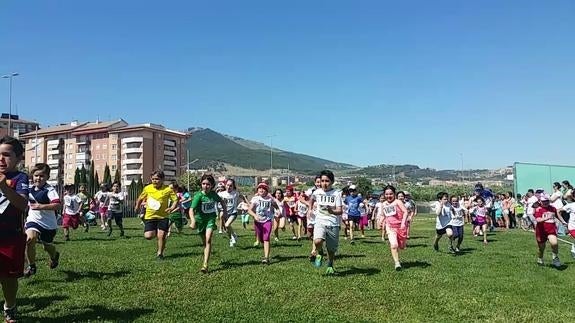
103, 279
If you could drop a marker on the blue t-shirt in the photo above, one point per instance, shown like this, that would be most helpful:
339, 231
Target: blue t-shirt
353, 205
11, 218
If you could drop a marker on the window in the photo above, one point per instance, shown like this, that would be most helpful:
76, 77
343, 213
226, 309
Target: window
104, 146
113, 167
70, 156
114, 146
114, 157
104, 156
97, 146
97, 157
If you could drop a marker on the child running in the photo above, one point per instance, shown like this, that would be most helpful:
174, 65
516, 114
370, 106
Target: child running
102, 198
157, 196
395, 215
444, 213
570, 209
327, 219
458, 214
13, 203
262, 210
302, 207
379, 217
41, 223
411, 211
204, 214
231, 198
546, 230
289, 203
115, 207
87, 200
479, 215
72, 208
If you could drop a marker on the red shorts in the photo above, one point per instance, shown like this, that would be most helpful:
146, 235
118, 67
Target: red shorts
572, 233
103, 210
70, 221
543, 230
12, 256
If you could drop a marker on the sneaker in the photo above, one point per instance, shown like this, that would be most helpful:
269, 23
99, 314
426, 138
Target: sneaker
86, 228
67, 238
235, 237
204, 270
276, 239
257, 243
480, 233
121, 233
159, 257
329, 271
10, 315
363, 235
220, 232
30, 270
312, 258
556, 262
352, 241
294, 238
397, 266
540, 261
451, 250
318, 261
265, 261
435, 247
54, 262
457, 250
232, 243
109, 231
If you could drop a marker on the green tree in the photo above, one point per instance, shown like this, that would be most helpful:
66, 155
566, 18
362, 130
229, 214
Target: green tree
83, 175
77, 178
107, 176
92, 187
117, 176
363, 186
96, 183
190, 181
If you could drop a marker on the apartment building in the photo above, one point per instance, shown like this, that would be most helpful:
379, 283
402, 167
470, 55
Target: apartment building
19, 126
135, 151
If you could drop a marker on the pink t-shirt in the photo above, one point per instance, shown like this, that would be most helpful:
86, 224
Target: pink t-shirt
393, 213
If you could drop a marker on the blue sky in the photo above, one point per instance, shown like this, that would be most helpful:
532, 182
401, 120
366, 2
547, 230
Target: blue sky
431, 83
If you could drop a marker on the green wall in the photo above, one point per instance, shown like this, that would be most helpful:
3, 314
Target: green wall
526, 176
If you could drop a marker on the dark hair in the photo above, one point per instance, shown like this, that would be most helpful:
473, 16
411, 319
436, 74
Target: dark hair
557, 185
400, 192
116, 182
440, 195
209, 178
44, 168
280, 190
480, 198
566, 183
68, 187
316, 177
519, 196
328, 174
158, 173
389, 187
530, 191
233, 183
17, 147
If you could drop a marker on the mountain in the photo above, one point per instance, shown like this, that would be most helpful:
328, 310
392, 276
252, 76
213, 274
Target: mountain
415, 173
214, 150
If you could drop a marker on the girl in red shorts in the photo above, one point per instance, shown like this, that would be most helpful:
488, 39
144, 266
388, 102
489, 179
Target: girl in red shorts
546, 229
72, 208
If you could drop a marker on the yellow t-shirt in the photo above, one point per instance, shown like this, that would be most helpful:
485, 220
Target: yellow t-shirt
157, 201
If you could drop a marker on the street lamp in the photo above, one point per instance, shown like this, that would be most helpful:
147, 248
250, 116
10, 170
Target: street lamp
271, 157
10, 76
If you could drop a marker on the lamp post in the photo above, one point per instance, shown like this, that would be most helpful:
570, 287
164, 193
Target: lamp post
271, 157
10, 77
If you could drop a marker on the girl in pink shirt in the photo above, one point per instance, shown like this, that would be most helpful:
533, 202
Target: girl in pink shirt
394, 211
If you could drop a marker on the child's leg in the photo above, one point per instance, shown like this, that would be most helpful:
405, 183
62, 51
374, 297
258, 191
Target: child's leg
31, 240
299, 227
66, 232
484, 226
276, 227
162, 233
394, 244
267, 228
449, 234
10, 290
207, 241
554, 245
436, 241
540, 249
50, 249
119, 219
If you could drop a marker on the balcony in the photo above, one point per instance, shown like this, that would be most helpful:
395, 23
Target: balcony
169, 173
132, 172
54, 144
54, 154
83, 143
169, 153
82, 156
53, 162
169, 163
170, 143
132, 161
132, 139
132, 150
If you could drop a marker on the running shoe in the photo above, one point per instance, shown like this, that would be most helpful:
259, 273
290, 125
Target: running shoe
540, 261
573, 251
204, 270
318, 261
329, 271
397, 266
10, 315
435, 247
556, 262
54, 262
30, 270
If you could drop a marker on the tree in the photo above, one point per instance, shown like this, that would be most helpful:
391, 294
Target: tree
77, 178
96, 183
107, 176
363, 186
83, 175
92, 188
117, 176
190, 181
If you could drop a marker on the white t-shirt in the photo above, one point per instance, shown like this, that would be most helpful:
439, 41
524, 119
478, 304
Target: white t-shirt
302, 209
570, 208
103, 198
458, 217
443, 219
231, 200
115, 201
45, 218
323, 200
263, 207
530, 210
72, 204
558, 203
378, 210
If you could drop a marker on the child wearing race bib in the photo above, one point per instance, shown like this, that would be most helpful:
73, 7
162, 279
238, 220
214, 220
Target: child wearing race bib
204, 214
480, 214
546, 229
458, 214
72, 207
103, 200
280, 213
261, 209
326, 203
569, 208
302, 208
289, 203
444, 212
395, 217
379, 217
231, 198
157, 196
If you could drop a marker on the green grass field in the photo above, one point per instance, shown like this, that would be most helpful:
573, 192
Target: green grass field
104, 279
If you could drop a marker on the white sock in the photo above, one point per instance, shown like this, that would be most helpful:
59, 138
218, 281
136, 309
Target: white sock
554, 255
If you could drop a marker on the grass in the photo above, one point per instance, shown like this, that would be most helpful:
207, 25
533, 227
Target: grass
104, 279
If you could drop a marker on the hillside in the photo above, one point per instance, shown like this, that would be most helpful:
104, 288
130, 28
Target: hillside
415, 173
214, 150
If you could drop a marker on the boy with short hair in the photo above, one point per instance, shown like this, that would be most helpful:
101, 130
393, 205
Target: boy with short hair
13, 203
328, 210
41, 223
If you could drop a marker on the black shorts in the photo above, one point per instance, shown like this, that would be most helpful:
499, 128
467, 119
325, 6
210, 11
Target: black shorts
117, 216
442, 231
354, 219
45, 235
157, 224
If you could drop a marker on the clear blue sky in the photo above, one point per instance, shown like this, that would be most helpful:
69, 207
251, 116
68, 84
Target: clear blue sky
364, 82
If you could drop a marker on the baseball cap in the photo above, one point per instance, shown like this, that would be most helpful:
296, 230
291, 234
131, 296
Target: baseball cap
264, 186
544, 197
352, 187
539, 190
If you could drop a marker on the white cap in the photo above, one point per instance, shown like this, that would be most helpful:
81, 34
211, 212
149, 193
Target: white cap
352, 187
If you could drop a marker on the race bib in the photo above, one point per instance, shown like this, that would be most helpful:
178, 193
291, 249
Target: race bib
549, 217
209, 207
230, 203
389, 210
153, 204
326, 200
302, 208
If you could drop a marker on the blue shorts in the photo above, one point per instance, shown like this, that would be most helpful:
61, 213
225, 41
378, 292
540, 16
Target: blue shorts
46, 236
457, 231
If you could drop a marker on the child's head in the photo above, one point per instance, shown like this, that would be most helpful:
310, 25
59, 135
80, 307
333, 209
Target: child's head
382, 198
289, 191
104, 187
40, 174
207, 182
115, 187
389, 193
317, 181
327, 178
454, 201
480, 201
401, 196
157, 178
231, 185
69, 189
278, 193
442, 196
82, 188
11, 153
263, 189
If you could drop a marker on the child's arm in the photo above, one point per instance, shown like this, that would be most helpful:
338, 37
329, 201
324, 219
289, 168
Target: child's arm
404, 210
20, 201
140, 199
48, 207
560, 217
